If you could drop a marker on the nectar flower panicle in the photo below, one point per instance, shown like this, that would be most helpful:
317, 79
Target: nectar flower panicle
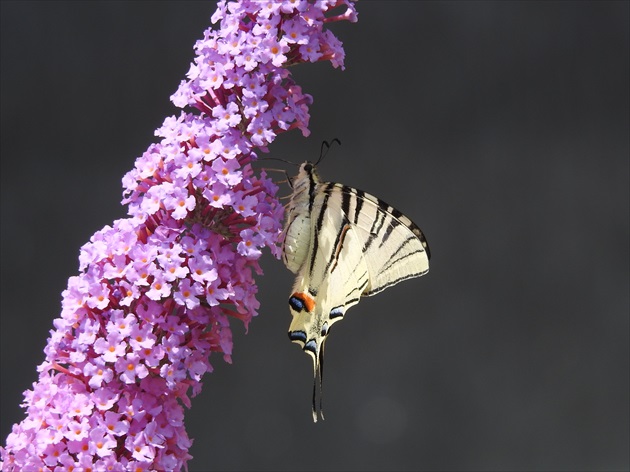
156, 290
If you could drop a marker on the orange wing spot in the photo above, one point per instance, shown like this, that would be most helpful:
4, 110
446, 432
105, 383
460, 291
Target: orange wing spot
309, 302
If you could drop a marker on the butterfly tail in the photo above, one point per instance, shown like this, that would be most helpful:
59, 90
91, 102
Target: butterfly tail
318, 380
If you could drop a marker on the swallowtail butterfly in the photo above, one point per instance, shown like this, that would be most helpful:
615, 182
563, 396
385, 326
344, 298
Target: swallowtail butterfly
343, 244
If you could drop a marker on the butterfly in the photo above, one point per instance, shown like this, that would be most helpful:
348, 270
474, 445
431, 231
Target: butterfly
343, 244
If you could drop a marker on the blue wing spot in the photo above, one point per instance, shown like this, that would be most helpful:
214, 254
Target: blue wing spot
325, 329
296, 304
336, 312
311, 346
297, 336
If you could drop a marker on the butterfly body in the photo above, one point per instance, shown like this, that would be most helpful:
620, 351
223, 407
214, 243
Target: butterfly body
342, 244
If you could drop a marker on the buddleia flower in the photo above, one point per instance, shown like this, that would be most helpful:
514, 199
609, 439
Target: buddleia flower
157, 290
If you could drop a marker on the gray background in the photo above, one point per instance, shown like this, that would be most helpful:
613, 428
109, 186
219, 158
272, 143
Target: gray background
501, 128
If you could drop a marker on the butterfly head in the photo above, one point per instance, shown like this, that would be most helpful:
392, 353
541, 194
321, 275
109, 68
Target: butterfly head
308, 167
306, 177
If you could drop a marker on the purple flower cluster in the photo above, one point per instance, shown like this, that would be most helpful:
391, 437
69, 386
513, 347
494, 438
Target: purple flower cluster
156, 290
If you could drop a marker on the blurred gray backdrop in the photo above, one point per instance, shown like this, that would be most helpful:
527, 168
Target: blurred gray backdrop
501, 128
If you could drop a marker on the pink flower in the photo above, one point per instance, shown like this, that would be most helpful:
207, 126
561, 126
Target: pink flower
261, 128
127, 293
77, 430
227, 117
227, 172
202, 268
244, 204
215, 295
130, 368
160, 288
121, 323
99, 296
173, 269
179, 201
97, 373
105, 398
111, 348
157, 290
115, 423
142, 337
250, 243
188, 293
103, 441
295, 31
275, 50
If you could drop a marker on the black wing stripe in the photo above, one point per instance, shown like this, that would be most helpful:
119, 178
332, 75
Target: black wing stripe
337, 247
396, 261
388, 231
345, 201
311, 192
360, 195
318, 225
401, 247
394, 282
353, 300
365, 279
377, 225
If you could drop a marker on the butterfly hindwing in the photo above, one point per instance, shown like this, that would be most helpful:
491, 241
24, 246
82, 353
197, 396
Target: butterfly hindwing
394, 246
331, 280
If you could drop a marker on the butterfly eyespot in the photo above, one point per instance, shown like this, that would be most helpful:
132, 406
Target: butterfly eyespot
300, 301
296, 304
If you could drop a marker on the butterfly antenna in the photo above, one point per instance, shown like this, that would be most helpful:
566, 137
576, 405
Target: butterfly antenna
279, 159
272, 169
288, 177
326, 145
